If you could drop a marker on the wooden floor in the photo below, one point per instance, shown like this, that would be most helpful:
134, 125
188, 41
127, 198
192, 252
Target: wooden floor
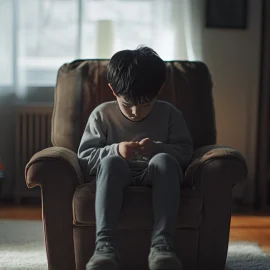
253, 229
243, 228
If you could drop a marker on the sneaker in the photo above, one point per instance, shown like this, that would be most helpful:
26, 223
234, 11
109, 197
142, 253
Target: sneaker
104, 258
162, 257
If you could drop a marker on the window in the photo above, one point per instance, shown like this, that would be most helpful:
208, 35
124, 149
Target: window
40, 35
47, 38
6, 43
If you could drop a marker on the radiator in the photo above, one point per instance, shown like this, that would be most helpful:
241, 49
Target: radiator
33, 133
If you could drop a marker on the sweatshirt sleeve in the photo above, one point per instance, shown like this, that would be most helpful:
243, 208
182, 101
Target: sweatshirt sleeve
93, 148
179, 143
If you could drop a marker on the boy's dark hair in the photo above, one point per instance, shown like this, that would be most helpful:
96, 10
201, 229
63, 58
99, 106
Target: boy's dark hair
137, 75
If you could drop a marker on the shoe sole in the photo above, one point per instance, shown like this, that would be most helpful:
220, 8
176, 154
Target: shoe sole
165, 266
162, 268
103, 266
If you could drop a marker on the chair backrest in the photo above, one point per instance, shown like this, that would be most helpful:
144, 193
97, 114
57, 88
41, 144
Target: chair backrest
82, 85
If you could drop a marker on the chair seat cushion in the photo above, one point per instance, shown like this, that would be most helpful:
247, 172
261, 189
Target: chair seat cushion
137, 208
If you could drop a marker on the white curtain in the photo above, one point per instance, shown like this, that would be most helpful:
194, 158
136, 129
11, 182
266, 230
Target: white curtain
40, 35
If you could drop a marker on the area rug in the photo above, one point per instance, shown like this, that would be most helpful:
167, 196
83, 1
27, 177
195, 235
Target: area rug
22, 248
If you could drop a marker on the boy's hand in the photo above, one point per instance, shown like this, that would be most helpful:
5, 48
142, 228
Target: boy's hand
147, 147
128, 149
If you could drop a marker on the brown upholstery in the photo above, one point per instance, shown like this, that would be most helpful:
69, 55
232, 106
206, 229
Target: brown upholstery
68, 196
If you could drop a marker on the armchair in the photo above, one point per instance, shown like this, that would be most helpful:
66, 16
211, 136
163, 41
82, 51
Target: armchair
68, 196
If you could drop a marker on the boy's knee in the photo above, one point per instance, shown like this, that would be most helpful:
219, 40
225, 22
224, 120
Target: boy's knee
113, 163
164, 159
166, 163
113, 169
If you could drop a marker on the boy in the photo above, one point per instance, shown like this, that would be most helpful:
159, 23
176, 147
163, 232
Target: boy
136, 140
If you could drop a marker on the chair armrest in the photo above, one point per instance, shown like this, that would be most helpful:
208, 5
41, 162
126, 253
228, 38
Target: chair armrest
213, 172
55, 155
57, 171
206, 154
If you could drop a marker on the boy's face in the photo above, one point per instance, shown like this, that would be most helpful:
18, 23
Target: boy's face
134, 112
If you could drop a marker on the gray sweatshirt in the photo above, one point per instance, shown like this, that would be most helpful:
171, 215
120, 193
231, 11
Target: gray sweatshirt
107, 127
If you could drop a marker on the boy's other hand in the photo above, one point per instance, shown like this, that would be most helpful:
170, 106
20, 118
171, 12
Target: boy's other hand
147, 147
128, 149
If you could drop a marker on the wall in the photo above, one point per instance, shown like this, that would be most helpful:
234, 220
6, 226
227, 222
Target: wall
233, 57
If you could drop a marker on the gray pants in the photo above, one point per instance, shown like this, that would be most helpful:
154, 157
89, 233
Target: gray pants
163, 174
